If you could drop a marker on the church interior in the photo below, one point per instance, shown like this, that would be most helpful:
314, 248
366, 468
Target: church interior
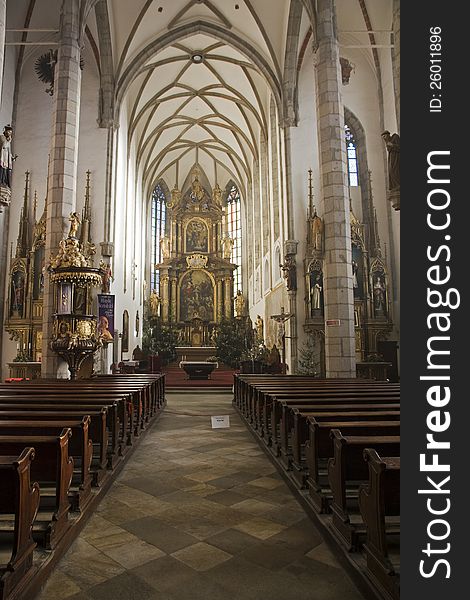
200, 325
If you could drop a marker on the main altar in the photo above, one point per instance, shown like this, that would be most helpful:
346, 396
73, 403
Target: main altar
196, 272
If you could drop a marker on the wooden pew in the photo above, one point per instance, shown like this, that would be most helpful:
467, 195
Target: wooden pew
126, 406
319, 448
80, 447
346, 470
262, 396
118, 419
98, 431
52, 464
379, 501
19, 502
282, 415
300, 433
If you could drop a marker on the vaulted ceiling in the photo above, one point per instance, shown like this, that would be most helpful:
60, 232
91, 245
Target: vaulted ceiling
194, 78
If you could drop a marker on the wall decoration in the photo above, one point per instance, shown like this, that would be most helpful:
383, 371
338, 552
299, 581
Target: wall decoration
106, 317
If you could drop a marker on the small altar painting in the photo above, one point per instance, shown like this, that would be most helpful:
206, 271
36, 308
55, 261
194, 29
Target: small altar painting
17, 293
197, 297
197, 236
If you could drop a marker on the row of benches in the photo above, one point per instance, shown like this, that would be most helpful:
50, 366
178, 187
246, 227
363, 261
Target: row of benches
338, 440
60, 444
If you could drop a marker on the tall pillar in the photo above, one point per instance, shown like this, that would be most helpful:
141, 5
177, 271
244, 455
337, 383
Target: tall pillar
228, 298
4, 212
396, 58
3, 24
63, 161
338, 288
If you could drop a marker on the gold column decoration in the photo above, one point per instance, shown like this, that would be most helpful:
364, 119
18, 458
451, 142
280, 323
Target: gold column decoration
173, 299
174, 245
228, 298
220, 299
164, 281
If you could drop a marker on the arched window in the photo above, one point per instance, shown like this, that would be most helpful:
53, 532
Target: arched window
235, 232
158, 231
351, 149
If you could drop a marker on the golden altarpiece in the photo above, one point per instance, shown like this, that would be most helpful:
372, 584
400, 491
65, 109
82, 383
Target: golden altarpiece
196, 273
372, 305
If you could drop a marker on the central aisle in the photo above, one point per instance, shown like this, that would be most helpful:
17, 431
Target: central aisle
199, 514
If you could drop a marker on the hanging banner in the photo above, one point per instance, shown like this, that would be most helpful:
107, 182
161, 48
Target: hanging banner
106, 317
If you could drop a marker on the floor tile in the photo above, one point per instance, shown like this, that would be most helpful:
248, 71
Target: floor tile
202, 557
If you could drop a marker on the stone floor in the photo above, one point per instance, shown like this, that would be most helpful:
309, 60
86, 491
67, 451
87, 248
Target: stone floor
199, 514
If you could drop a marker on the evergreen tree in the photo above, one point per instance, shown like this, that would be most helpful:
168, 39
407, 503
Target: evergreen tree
231, 341
308, 359
160, 339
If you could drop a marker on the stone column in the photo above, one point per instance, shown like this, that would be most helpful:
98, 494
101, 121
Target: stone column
220, 306
173, 299
4, 213
396, 58
164, 284
3, 22
338, 288
228, 298
63, 162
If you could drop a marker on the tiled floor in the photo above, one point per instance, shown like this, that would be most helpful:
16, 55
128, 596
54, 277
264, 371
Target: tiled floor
199, 514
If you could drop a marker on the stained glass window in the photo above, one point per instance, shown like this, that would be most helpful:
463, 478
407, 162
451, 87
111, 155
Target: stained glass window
158, 231
352, 157
235, 232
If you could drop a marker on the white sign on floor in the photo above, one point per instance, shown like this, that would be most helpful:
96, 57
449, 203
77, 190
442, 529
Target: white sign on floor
220, 422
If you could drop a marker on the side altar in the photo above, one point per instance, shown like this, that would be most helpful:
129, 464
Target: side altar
196, 272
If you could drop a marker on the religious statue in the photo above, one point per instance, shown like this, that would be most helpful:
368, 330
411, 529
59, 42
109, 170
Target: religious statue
379, 295
6, 157
316, 290
392, 143
227, 247
259, 328
197, 189
289, 270
317, 232
106, 276
217, 196
355, 267
154, 303
74, 223
165, 246
103, 329
175, 197
274, 360
240, 304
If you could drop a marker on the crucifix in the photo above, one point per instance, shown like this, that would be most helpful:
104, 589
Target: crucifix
281, 321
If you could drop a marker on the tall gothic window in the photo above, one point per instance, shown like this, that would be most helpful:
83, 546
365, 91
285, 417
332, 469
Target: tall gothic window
351, 149
234, 231
158, 231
